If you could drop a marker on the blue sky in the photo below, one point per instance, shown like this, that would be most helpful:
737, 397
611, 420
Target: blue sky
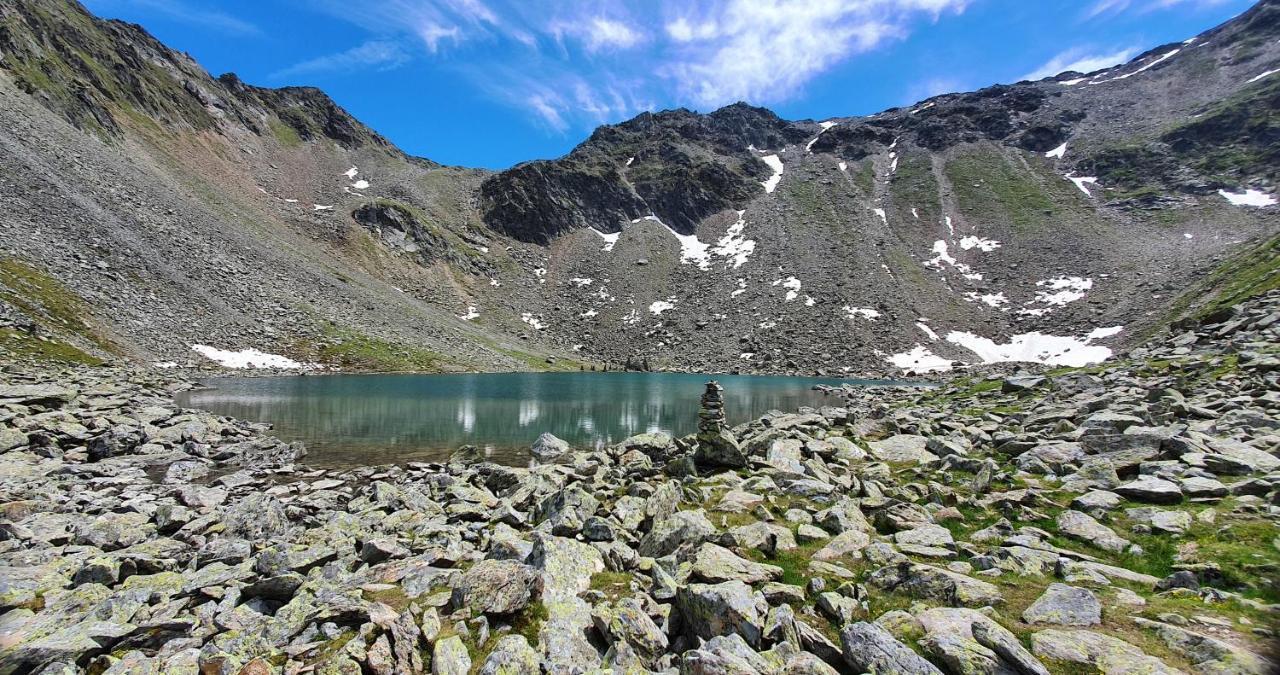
491, 83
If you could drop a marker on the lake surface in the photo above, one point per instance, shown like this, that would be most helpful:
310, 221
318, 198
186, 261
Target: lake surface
348, 420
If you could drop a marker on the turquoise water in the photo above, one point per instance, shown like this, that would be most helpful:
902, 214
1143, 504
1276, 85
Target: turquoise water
348, 420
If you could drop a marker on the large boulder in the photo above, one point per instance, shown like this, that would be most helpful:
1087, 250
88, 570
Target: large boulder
951, 638
565, 568
496, 587
714, 564
1065, 605
868, 648
903, 449
548, 448
709, 610
682, 528
1102, 653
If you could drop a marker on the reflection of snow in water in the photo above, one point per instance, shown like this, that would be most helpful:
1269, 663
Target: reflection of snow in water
467, 414
529, 412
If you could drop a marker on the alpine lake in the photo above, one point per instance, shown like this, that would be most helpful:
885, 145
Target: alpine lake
354, 420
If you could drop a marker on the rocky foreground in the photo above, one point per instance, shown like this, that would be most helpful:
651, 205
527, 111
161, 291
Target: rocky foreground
1120, 519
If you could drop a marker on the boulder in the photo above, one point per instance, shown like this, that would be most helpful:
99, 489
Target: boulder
1065, 605
548, 448
731, 607
1103, 653
868, 648
496, 587
715, 564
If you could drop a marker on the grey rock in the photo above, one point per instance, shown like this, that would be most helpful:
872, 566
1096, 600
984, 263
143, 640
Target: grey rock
1065, 605
868, 648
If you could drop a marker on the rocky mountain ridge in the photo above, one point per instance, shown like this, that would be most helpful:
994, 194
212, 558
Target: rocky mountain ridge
1049, 221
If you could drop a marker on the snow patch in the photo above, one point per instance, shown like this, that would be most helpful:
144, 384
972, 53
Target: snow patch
792, 285
361, 184
742, 288
472, 313
609, 239
1033, 347
245, 358
1248, 198
984, 245
1145, 68
927, 330
920, 360
351, 173
1058, 152
1062, 290
660, 306
992, 299
1082, 181
321, 207
580, 282
589, 313
883, 217
843, 166
735, 246
776, 164
1267, 74
1100, 333
863, 312
532, 320
630, 160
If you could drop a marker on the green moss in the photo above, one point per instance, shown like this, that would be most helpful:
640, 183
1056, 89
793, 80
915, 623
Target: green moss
54, 308
350, 350
914, 186
286, 135
864, 176
985, 181
1248, 274
27, 347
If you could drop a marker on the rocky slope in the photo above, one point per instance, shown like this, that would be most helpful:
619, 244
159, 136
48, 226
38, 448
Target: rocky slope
1118, 519
153, 207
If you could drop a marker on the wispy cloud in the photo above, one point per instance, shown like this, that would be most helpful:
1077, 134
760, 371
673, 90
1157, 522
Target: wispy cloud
1080, 59
581, 62
179, 10
1110, 7
375, 55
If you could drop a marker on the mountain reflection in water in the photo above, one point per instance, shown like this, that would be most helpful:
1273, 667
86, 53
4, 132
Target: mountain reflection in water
348, 420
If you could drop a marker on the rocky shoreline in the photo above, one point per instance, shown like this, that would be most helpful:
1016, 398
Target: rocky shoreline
1118, 519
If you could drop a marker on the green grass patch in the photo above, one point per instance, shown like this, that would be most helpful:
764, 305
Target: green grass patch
23, 346
914, 186
55, 309
284, 134
983, 180
350, 350
1248, 274
613, 584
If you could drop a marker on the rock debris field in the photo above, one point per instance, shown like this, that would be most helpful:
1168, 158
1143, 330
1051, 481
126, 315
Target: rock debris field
1113, 519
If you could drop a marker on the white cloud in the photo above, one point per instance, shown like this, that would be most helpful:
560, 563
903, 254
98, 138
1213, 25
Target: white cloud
582, 63
767, 50
376, 54
598, 33
1080, 60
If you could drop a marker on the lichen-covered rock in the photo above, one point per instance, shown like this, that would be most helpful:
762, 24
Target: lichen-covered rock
709, 610
868, 648
496, 587
1065, 605
1108, 655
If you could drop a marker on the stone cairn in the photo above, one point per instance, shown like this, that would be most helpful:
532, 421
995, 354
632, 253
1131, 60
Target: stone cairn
711, 413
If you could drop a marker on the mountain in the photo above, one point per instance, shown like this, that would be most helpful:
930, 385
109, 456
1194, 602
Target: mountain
152, 207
